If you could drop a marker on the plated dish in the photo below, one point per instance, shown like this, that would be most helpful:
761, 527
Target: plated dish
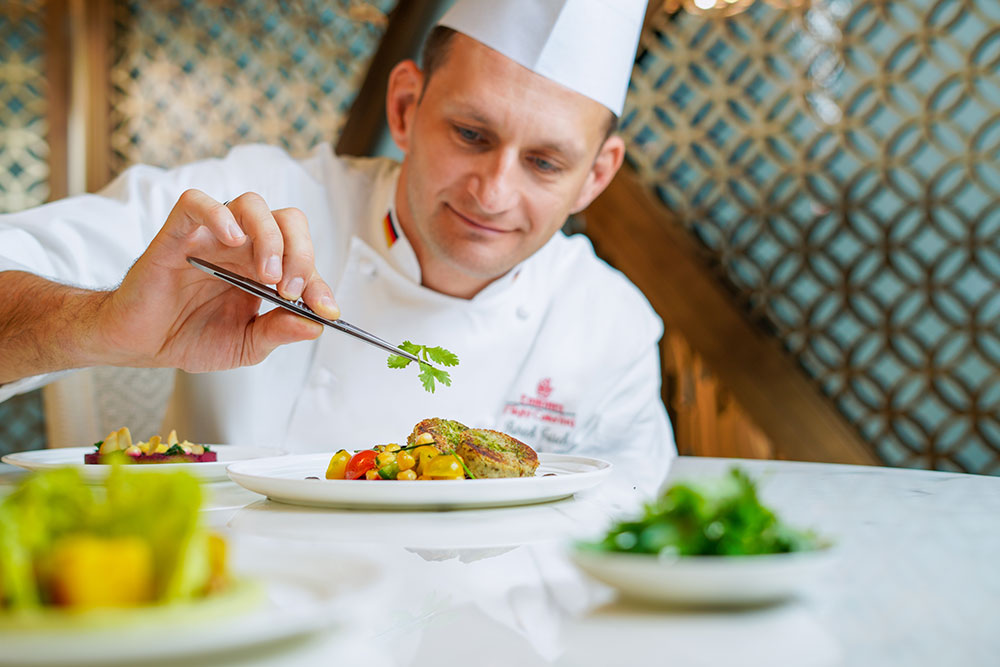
73, 457
128, 572
285, 480
118, 447
709, 543
438, 449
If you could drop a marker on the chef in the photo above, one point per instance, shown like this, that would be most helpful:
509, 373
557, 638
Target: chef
506, 129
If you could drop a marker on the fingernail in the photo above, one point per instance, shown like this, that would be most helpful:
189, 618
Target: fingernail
273, 267
294, 288
332, 312
235, 233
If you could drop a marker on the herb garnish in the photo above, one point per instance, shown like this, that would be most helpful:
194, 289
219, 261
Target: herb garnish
428, 374
718, 518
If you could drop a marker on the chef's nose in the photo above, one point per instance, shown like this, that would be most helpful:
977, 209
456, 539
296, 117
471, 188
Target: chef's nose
494, 184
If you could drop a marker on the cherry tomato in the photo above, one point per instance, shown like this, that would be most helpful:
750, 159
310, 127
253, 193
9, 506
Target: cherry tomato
360, 463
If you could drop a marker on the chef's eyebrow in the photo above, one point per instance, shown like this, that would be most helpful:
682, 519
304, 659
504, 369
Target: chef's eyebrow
554, 148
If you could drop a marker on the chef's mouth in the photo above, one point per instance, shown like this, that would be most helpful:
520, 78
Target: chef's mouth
473, 223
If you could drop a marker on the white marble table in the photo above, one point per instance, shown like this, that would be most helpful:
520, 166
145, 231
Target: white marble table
916, 580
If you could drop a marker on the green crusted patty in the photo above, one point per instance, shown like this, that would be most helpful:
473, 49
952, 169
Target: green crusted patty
494, 454
447, 433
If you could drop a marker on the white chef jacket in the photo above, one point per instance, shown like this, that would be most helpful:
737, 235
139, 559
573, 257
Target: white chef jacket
561, 352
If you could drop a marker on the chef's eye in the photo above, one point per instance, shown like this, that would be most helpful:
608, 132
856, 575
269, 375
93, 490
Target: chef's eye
467, 135
544, 166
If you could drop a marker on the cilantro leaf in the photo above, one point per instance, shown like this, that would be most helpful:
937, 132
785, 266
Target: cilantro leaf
442, 356
396, 361
412, 348
429, 375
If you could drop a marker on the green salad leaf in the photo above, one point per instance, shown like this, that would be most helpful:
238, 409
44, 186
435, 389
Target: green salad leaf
718, 518
429, 375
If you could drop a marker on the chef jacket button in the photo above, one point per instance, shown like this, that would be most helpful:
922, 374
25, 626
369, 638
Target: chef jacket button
522, 313
367, 268
324, 377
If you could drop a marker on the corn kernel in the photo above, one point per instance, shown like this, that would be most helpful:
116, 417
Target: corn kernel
405, 460
385, 458
372, 474
407, 475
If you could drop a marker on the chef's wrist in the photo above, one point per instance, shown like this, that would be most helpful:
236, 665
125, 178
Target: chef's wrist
93, 331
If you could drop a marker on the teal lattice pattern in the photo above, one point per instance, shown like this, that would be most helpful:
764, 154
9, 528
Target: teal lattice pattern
24, 170
192, 79
841, 165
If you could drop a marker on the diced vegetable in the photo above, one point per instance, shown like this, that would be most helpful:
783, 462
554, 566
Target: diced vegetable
338, 465
360, 464
446, 466
89, 571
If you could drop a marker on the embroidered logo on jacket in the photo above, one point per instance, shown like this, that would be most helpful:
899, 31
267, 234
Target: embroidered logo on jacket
539, 420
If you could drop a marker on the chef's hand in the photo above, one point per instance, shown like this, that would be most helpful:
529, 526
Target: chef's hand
166, 313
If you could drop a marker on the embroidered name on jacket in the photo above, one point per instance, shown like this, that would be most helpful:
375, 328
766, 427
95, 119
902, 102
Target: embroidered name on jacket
539, 420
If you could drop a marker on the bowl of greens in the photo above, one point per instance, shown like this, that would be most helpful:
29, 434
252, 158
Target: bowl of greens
710, 543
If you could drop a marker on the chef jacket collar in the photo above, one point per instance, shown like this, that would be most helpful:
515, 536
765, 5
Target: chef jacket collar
388, 237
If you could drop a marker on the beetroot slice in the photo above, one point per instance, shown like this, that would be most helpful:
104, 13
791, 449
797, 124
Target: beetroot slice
207, 457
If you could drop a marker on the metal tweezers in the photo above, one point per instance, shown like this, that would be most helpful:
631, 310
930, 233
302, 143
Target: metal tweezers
297, 307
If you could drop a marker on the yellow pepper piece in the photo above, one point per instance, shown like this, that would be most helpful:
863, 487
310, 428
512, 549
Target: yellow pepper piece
423, 455
89, 572
338, 465
445, 467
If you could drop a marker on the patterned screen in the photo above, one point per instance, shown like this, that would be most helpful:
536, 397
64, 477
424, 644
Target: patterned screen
841, 167
191, 79
24, 168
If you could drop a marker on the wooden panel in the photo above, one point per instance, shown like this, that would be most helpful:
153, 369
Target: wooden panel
57, 72
366, 124
96, 50
633, 232
706, 418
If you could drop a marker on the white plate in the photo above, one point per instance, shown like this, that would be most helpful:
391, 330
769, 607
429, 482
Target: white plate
297, 601
284, 480
705, 580
72, 457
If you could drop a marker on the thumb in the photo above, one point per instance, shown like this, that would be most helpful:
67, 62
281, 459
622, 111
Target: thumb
274, 328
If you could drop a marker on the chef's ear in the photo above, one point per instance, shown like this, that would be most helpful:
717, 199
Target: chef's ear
406, 82
609, 160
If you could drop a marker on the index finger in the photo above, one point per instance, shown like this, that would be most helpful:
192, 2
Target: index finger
196, 209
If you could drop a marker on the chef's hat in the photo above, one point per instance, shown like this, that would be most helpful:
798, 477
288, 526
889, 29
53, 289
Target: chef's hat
586, 45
